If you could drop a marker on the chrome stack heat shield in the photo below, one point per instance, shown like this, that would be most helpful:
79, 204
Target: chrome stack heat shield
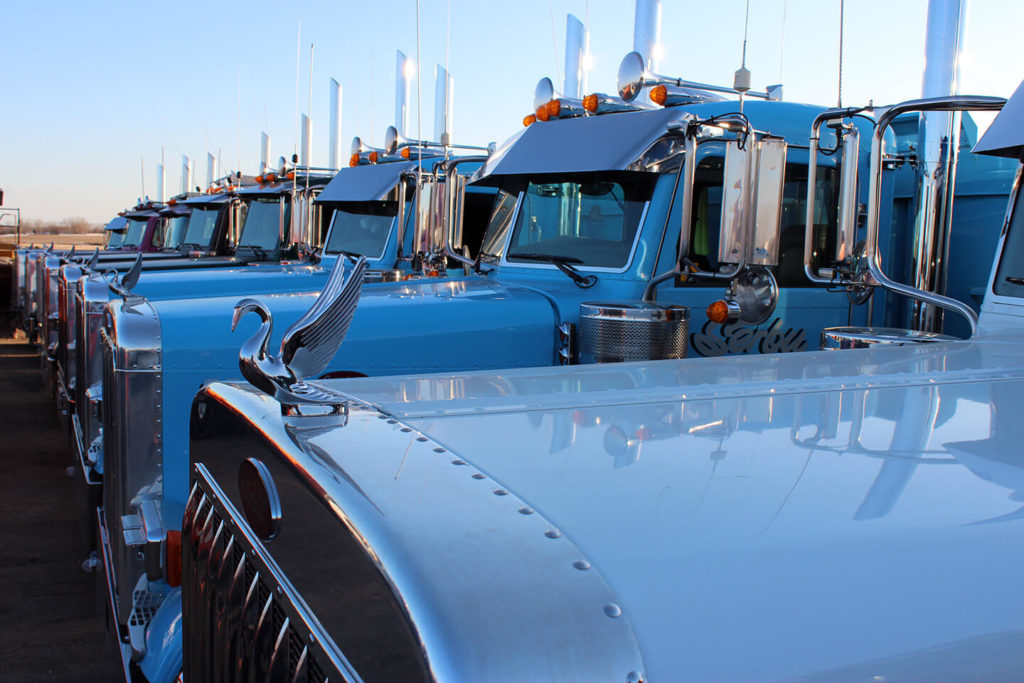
617, 331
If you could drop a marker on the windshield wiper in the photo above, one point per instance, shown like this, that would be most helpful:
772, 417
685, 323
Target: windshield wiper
1015, 280
258, 250
477, 262
563, 264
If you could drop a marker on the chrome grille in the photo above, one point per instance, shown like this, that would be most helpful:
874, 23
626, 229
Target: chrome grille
242, 619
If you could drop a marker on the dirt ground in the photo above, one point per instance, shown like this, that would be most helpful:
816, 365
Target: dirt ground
53, 614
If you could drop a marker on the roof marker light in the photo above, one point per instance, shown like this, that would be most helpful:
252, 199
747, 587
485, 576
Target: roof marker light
373, 156
590, 103
542, 113
659, 94
530, 119
554, 108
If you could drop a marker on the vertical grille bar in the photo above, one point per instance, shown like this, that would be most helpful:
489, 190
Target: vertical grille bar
239, 622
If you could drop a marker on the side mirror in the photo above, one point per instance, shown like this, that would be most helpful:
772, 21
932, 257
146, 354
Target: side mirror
847, 237
733, 234
767, 208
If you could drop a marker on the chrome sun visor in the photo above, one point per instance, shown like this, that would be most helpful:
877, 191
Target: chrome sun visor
366, 183
594, 143
1005, 137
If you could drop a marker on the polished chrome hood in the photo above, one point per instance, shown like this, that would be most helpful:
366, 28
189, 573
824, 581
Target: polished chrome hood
821, 516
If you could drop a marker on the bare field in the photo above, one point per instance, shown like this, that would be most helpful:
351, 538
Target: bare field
66, 241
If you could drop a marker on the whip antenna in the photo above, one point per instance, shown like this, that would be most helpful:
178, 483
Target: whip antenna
842, 12
741, 80
298, 54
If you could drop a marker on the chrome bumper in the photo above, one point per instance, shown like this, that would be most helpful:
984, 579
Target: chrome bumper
124, 648
81, 449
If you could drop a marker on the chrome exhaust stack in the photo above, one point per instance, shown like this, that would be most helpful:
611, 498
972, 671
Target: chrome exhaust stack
305, 141
264, 151
647, 32
186, 174
405, 68
577, 44
334, 127
938, 140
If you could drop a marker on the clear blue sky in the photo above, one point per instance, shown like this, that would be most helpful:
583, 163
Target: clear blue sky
92, 88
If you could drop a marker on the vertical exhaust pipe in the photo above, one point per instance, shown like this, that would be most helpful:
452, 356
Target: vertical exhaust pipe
576, 45
938, 140
403, 83
159, 182
444, 97
334, 127
211, 168
186, 174
306, 141
647, 32
264, 151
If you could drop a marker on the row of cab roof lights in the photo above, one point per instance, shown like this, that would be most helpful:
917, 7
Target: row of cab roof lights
396, 148
633, 79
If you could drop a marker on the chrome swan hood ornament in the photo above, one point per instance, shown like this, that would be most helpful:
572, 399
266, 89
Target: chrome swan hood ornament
308, 345
131, 278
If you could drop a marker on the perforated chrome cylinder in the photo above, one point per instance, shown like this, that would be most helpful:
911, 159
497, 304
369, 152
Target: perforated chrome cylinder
618, 331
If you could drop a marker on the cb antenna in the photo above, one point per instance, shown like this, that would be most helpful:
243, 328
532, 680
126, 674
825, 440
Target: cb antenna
741, 80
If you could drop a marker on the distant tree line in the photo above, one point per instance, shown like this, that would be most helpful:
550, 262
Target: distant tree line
66, 226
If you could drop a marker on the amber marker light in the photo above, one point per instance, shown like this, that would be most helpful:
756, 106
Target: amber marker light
259, 179
173, 560
353, 160
718, 312
590, 103
290, 175
554, 108
542, 113
373, 157
270, 178
659, 94
406, 153
527, 120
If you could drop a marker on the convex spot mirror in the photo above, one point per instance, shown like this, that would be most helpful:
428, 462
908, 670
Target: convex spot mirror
543, 93
631, 76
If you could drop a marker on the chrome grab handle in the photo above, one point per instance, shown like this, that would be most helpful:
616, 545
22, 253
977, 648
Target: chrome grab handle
953, 103
449, 173
812, 171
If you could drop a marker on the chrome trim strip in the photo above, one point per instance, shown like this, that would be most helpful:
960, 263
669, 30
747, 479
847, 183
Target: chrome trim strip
111, 598
80, 452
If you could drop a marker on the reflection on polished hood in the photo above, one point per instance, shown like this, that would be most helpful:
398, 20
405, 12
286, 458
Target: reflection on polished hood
821, 516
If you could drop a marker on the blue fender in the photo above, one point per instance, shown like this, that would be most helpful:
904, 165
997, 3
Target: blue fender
163, 659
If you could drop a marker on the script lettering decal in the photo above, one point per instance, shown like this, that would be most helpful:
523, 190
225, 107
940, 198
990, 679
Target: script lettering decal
720, 340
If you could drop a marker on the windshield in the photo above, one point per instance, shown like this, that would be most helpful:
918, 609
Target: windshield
174, 231
1010, 274
136, 229
201, 224
115, 238
591, 220
362, 228
497, 227
261, 223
